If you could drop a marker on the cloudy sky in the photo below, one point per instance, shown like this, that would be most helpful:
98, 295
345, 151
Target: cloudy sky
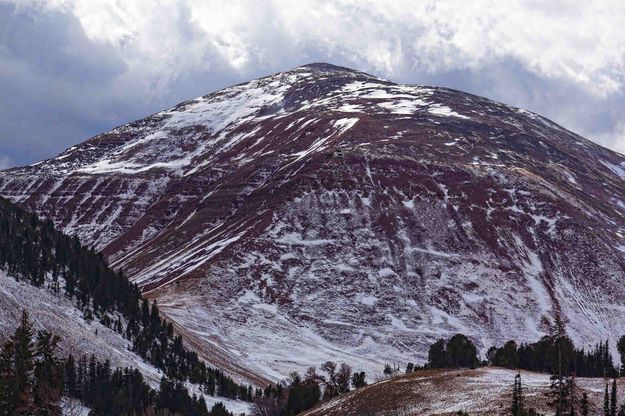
70, 69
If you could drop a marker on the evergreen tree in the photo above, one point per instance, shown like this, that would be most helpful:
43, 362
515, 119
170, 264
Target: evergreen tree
555, 355
219, 409
24, 367
517, 397
506, 356
613, 399
8, 392
70, 376
606, 402
359, 379
458, 351
48, 375
301, 395
620, 346
461, 352
437, 355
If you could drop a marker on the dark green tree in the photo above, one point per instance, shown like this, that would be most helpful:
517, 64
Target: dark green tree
24, 367
70, 376
301, 395
613, 399
48, 375
409, 368
8, 392
517, 397
219, 409
437, 355
461, 352
620, 346
359, 379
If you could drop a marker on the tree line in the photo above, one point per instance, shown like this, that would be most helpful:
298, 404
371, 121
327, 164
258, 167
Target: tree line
299, 393
551, 354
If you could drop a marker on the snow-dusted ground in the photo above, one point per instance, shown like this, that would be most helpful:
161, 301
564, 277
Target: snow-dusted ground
72, 407
59, 315
485, 391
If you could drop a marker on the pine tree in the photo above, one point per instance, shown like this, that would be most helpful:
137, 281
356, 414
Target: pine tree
70, 376
219, 409
606, 402
24, 367
620, 346
613, 399
517, 397
8, 393
437, 355
48, 375
570, 391
359, 379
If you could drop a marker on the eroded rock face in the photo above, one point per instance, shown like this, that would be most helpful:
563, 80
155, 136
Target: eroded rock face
322, 213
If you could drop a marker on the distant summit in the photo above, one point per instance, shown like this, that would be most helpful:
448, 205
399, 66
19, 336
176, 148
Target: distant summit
325, 213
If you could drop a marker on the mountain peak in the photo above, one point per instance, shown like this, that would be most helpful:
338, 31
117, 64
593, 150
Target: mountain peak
317, 200
327, 67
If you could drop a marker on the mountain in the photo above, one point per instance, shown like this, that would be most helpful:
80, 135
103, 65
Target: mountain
324, 213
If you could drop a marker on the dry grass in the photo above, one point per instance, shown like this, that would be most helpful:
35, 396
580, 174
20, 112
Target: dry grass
484, 391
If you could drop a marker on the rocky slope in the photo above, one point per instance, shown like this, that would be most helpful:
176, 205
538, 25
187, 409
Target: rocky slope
323, 213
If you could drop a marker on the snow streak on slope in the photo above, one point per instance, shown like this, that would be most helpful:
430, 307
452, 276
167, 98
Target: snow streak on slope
323, 213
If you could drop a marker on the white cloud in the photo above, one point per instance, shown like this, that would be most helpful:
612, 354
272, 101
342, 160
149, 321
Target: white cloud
579, 41
615, 139
5, 162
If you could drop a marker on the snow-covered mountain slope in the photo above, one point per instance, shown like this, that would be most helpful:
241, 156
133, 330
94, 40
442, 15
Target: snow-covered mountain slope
323, 213
58, 314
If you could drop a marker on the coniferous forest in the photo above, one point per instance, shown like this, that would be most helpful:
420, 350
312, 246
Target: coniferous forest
549, 354
34, 379
32, 250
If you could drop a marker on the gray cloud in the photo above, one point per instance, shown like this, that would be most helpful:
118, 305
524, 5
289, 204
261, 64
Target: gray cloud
70, 69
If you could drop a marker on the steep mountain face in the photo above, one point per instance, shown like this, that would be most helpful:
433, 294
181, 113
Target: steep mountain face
323, 213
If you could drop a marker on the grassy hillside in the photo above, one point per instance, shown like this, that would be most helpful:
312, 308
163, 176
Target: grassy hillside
484, 391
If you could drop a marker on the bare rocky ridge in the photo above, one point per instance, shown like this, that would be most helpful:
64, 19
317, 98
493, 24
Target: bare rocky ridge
323, 213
